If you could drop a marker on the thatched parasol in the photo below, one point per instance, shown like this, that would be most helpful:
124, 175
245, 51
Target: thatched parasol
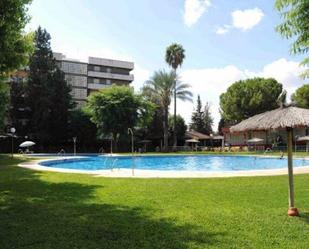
282, 118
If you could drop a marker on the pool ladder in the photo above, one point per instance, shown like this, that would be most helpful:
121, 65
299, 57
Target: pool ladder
61, 152
112, 162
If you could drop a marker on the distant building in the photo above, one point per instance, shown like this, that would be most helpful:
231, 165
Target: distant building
84, 78
97, 73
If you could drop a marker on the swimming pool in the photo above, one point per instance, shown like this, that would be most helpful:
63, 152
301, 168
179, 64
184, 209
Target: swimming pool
209, 163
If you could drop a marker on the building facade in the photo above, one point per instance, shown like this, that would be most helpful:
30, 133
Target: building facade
91, 76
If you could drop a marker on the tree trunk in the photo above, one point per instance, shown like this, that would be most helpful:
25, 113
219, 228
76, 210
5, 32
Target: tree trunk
165, 129
290, 166
292, 209
174, 125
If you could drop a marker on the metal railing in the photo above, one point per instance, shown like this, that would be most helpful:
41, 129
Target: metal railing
61, 152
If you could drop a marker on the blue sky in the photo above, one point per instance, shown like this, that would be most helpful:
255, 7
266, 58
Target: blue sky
224, 40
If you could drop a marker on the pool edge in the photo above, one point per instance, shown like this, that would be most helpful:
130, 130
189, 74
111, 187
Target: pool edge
138, 173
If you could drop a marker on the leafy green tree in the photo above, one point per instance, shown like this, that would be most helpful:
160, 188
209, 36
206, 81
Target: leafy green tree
154, 129
174, 56
14, 43
80, 126
197, 123
201, 120
18, 108
181, 127
221, 125
4, 100
207, 120
117, 108
246, 98
295, 26
47, 94
161, 87
301, 96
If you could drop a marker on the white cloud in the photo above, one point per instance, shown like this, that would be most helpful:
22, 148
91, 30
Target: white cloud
194, 9
247, 19
243, 20
211, 82
223, 30
140, 76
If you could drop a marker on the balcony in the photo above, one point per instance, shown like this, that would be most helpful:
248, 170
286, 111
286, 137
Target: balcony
111, 63
94, 86
111, 76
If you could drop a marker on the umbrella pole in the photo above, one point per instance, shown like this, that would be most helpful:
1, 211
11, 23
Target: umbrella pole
292, 210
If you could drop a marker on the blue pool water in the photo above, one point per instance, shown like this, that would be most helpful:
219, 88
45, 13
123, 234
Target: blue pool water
190, 163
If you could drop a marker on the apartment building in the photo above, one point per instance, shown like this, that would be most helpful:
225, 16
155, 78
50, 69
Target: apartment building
97, 73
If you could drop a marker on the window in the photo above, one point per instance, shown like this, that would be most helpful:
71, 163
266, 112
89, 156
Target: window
76, 68
96, 68
79, 93
75, 80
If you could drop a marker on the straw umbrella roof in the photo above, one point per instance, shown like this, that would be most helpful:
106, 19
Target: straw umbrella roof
197, 135
192, 141
282, 117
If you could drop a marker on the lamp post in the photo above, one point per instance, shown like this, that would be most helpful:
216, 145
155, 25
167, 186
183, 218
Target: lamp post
212, 141
12, 130
74, 141
130, 131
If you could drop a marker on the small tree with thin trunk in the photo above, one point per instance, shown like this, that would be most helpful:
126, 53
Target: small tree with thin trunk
118, 108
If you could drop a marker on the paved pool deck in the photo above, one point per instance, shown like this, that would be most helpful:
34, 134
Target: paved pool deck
138, 173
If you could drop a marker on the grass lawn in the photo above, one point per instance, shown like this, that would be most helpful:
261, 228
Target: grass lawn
45, 210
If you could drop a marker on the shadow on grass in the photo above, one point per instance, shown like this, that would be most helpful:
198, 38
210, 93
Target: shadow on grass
39, 214
305, 216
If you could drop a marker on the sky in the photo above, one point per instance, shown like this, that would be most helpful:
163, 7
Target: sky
224, 41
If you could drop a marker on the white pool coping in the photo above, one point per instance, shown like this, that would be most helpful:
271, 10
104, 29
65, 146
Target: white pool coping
139, 173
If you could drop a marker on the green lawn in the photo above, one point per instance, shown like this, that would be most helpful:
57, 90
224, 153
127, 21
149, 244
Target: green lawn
68, 211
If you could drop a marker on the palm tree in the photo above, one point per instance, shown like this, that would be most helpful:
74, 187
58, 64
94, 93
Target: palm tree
160, 90
174, 57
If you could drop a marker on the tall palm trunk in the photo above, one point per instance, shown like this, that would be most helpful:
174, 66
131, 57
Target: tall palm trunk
175, 109
165, 129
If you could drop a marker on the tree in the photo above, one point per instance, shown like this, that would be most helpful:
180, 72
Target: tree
201, 120
221, 125
174, 56
246, 98
154, 129
161, 87
80, 126
117, 108
197, 117
207, 120
18, 109
47, 94
181, 127
4, 99
295, 26
301, 96
14, 43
